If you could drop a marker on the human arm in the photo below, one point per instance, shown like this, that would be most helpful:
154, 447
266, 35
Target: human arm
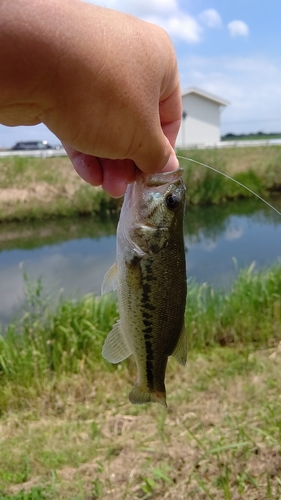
104, 82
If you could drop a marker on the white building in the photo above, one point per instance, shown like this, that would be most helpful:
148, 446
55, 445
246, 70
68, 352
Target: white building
200, 118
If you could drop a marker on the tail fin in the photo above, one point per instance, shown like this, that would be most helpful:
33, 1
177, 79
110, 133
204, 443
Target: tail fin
140, 396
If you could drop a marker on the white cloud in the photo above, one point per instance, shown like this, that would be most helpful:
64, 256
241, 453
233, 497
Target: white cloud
208, 244
164, 13
182, 26
234, 233
74, 274
251, 84
238, 28
211, 18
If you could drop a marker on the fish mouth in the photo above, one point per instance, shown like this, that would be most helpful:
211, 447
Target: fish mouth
137, 191
161, 178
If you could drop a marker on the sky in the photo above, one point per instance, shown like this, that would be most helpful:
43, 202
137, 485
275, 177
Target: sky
228, 48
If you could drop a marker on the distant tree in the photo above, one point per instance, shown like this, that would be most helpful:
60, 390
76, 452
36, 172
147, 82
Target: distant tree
228, 136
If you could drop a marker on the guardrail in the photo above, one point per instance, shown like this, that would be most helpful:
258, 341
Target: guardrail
46, 153
233, 144
35, 153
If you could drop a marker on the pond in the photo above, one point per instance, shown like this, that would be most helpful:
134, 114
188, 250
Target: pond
71, 256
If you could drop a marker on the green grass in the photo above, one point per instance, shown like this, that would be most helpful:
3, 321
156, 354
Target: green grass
249, 313
220, 437
67, 430
33, 188
36, 188
36, 493
259, 169
46, 344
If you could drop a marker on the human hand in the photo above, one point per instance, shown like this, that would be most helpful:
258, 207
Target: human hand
112, 175
136, 98
104, 82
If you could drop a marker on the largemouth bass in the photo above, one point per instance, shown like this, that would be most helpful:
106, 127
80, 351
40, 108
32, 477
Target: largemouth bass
150, 278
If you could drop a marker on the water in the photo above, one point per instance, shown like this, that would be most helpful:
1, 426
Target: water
72, 255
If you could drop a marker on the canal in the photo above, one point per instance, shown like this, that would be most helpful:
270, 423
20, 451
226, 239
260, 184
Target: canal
71, 256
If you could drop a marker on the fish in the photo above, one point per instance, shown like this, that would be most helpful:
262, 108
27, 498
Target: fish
150, 278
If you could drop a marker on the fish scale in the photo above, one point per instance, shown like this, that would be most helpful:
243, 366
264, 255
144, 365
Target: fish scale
150, 279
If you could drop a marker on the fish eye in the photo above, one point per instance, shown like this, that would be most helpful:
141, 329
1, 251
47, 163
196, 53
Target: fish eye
172, 201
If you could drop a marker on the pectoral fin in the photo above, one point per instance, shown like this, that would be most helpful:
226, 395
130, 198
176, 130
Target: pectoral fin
110, 280
180, 351
115, 348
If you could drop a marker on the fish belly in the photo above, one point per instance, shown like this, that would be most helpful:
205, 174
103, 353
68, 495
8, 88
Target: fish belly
151, 300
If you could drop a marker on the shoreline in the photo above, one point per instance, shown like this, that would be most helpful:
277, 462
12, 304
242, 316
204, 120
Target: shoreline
47, 188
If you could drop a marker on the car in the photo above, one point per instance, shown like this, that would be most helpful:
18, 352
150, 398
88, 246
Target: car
31, 145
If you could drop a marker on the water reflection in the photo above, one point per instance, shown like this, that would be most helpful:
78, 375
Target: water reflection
74, 254
216, 237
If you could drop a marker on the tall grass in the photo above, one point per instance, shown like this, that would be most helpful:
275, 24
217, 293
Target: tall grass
205, 186
250, 313
52, 188
45, 345
44, 342
38, 188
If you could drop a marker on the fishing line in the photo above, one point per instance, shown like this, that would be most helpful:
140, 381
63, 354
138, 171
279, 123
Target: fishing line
230, 178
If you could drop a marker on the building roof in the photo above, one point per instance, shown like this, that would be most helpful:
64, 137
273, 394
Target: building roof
202, 93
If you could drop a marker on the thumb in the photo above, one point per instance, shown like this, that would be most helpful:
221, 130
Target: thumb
156, 155
172, 163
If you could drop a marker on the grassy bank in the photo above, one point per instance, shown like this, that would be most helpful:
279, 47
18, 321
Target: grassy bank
258, 168
37, 188
33, 188
69, 432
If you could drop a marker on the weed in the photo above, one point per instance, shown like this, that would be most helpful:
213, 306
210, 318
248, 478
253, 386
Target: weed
66, 422
36, 493
50, 188
45, 188
97, 489
46, 345
157, 477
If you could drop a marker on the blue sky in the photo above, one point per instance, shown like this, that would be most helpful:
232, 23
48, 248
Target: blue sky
229, 48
